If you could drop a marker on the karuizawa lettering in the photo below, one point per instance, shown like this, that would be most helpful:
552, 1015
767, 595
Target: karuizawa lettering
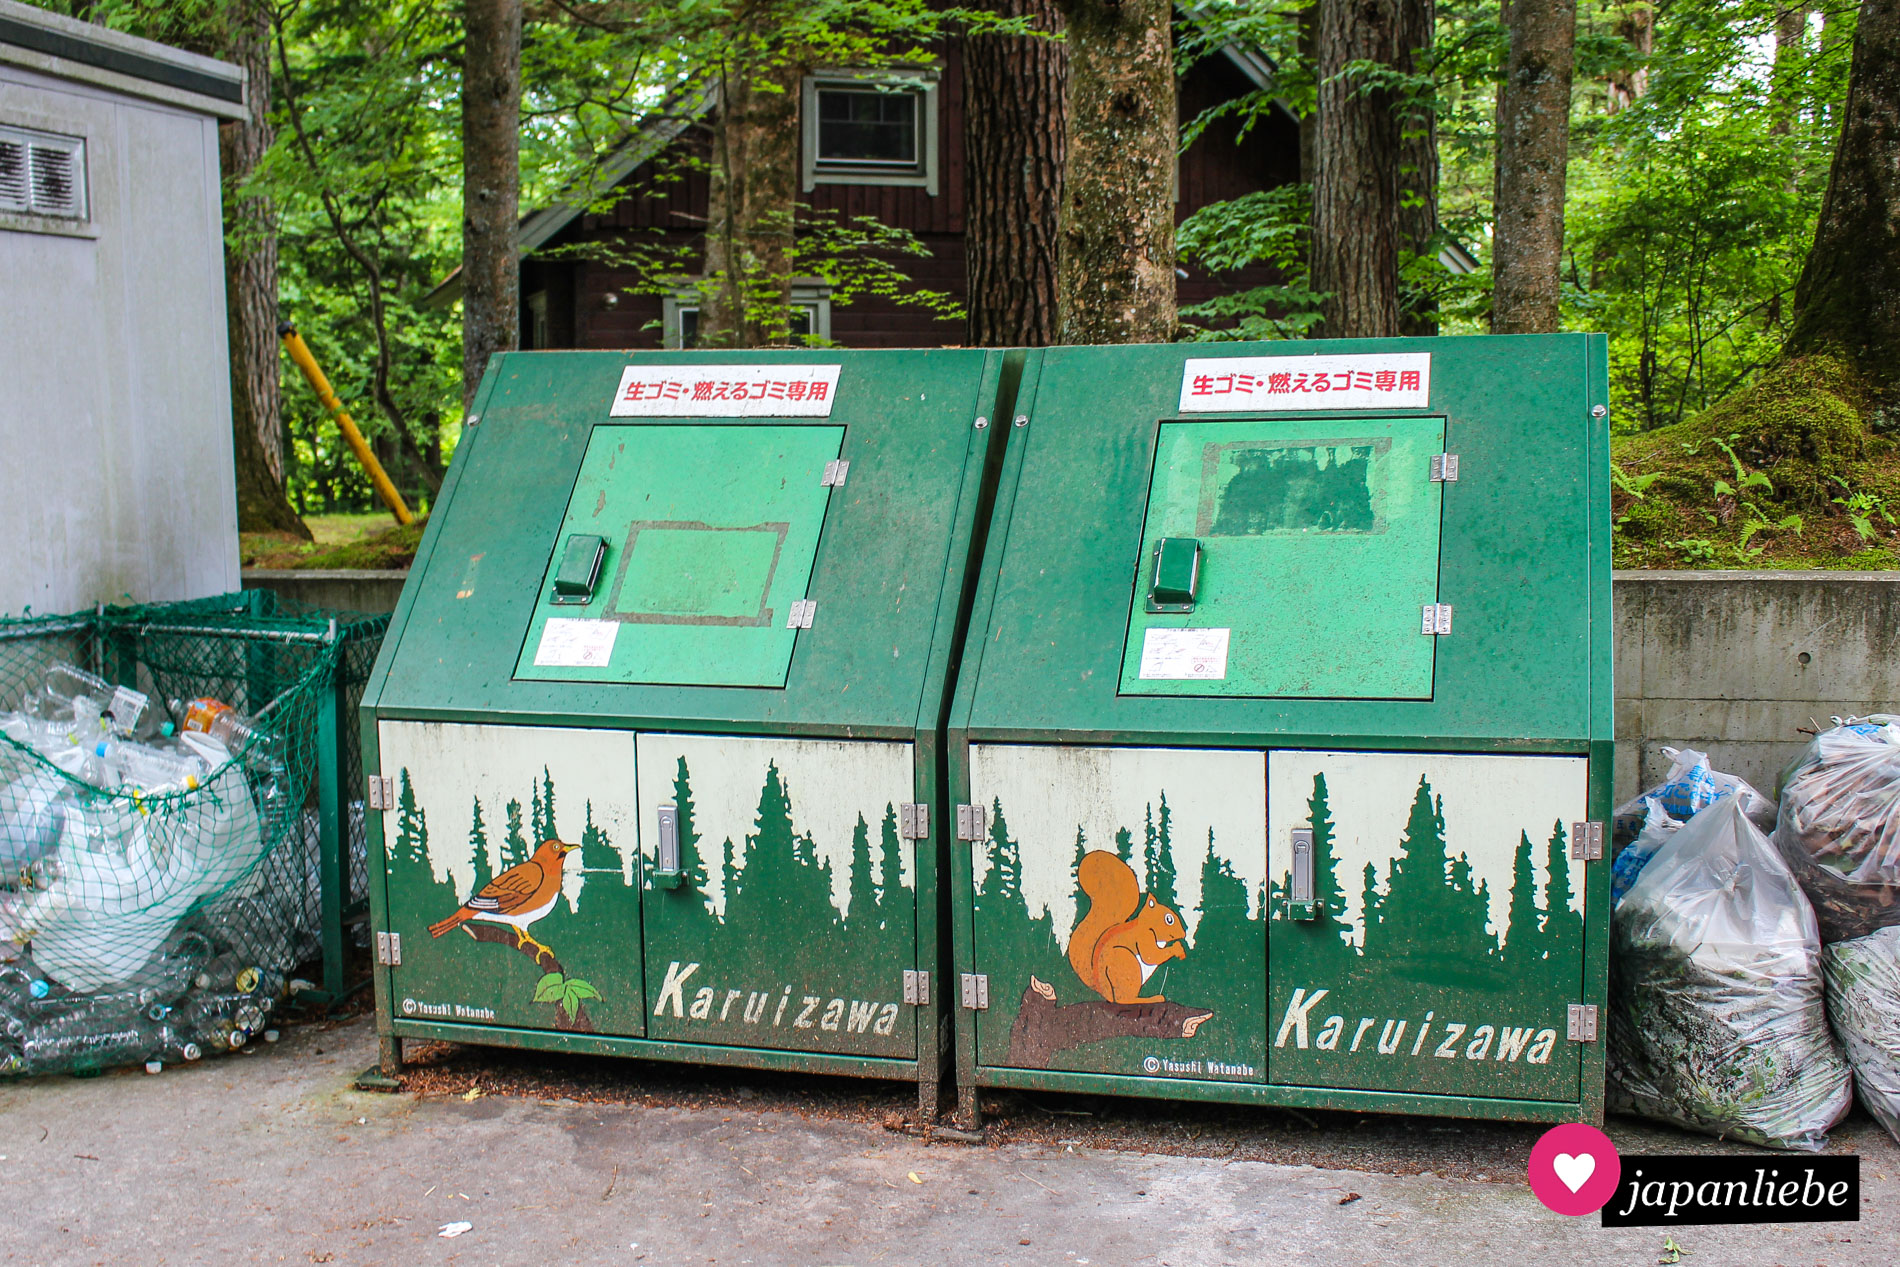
811, 1011
1444, 1040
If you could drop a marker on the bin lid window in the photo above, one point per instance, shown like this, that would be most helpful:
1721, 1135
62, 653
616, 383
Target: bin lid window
709, 531
1317, 548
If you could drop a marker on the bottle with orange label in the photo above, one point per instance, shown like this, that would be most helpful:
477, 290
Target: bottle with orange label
207, 716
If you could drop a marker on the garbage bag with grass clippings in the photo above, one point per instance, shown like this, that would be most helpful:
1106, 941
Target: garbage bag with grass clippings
1717, 1020
1863, 1002
1840, 826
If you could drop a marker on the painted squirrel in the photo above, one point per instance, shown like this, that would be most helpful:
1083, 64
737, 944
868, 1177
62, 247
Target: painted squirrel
1126, 933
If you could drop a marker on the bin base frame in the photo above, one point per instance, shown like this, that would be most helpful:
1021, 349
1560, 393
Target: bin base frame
1269, 1095
925, 1073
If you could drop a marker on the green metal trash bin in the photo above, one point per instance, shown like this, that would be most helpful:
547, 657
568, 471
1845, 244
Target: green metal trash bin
1283, 738
656, 733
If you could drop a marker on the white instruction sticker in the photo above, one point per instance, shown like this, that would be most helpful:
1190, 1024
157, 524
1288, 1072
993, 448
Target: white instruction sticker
567, 643
1184, 654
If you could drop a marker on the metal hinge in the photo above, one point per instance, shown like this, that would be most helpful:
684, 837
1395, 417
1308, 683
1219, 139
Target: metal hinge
1586, 841
913, 821
389, 949
973, 822
835, 471
976, 992
1434, 618
1444, 468
916, 988
1583, 1022
803, 610
382, 791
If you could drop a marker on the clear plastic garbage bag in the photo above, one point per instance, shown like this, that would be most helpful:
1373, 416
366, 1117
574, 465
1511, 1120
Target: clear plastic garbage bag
1717, 1021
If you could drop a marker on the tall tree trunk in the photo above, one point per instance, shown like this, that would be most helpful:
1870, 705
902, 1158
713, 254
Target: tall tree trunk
746, 286
491, 185
250, 289
1791, 28
1115, 265
1014, 97
1637, 27
1418, 162
1848, 299
1308, 45
1356, 181
1533, 144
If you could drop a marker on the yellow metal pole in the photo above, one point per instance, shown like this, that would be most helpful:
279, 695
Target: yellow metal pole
300, 353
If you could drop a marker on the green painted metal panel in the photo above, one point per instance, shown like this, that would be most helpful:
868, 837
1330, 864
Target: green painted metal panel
1446, 941
796, 917
1117, 912
1318, 545
710, 535
510, 864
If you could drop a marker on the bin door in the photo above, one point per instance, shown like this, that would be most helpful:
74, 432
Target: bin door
791, 917
1118, 910
1288, 558
681, 554
510, 855
1444, 938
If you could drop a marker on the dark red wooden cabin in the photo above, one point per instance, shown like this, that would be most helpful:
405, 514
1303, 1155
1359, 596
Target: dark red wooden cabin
572, 301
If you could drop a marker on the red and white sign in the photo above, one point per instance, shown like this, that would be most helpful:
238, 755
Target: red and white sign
726, 391
1235, 384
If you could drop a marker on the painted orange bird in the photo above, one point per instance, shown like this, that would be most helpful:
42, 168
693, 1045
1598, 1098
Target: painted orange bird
518, 896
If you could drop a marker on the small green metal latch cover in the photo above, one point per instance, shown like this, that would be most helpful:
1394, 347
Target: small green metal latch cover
579, 572
1175, 574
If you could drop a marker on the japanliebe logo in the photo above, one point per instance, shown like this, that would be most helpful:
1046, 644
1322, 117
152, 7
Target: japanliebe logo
1575, 1169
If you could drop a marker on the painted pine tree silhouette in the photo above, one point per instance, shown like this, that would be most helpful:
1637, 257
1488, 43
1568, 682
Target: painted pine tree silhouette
1431, 924
860, 910
478, 848
782, 889
1327, 888
895, 911
514, 846
1563, 931
1524, 932
1157, 856
412, 831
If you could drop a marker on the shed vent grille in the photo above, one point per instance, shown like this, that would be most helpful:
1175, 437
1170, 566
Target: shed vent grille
42, 174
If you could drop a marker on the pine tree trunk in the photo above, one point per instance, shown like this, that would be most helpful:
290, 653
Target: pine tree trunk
1533, 143
1014, 99
746, 285
250, 286
1418, 161
1115, 265
1791, 29
1848, 299
491, 185
1356, 176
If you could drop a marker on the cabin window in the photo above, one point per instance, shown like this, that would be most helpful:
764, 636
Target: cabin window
870, 128
811, 316
43, 174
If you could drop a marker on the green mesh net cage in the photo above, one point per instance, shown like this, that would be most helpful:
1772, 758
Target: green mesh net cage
159, 822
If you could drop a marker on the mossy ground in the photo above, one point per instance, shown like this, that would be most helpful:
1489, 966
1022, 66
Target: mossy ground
1784, 474
342, 541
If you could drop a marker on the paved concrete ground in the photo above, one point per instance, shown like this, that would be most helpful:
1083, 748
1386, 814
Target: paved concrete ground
273, 1158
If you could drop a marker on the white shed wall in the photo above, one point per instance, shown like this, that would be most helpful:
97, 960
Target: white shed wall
116, 476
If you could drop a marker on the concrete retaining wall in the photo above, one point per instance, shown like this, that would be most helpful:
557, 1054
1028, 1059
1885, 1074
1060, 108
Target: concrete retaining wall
1736, 664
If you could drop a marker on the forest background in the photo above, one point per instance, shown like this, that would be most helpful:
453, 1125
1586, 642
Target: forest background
1690, 171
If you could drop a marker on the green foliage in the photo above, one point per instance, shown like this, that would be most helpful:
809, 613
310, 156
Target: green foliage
1269, 227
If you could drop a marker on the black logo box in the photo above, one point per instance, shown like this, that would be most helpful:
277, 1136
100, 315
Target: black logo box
1668, 1190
